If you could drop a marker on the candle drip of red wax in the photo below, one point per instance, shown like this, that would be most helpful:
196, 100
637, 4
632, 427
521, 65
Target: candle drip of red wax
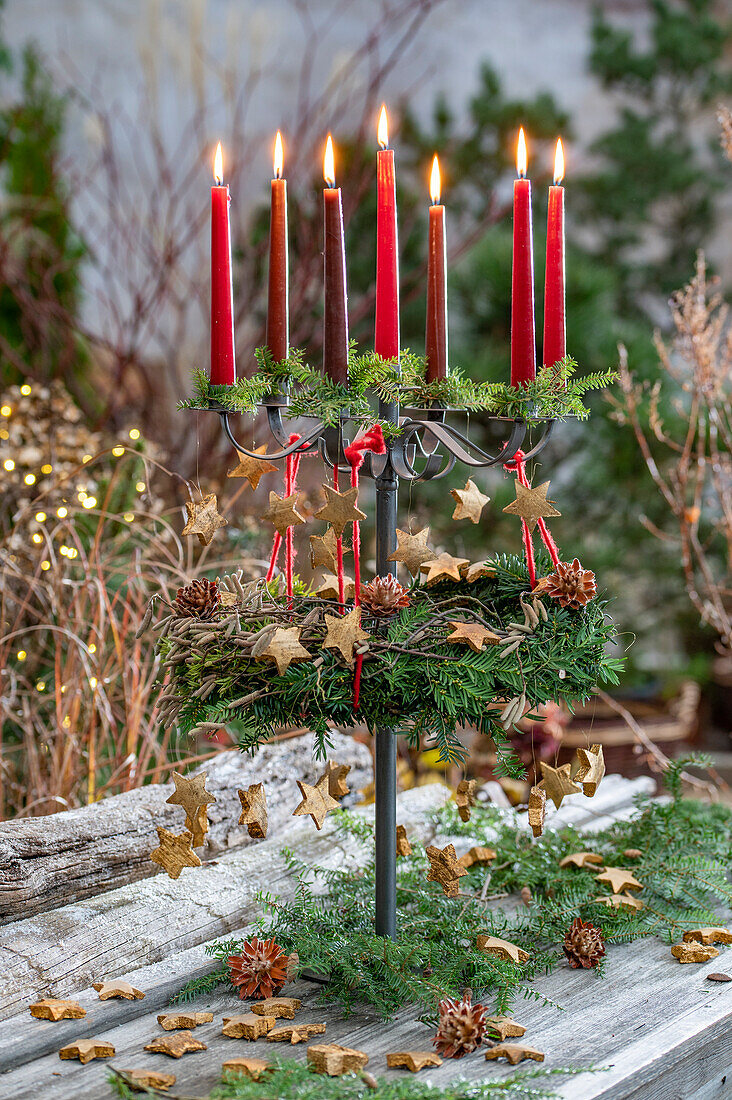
435, 340
386, 333
523, 341
223, 362
335, 314
555, 328
278, 321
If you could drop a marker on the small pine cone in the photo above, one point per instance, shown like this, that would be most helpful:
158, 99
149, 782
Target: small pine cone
198, 600
260, 970
583, 945
570, 584
384, 596
461, 1028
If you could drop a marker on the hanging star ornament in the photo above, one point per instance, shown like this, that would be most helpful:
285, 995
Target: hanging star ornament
345, 633
445, 868
412, 549
337, 773
442, 568
203, 518
282, 512
329, 589
192, 795
473, 635
470, 502
324, 551
340, 509
254, 810
284, 648
589, 768
252, 468
557, 783
174, 852
316, 800
531, 504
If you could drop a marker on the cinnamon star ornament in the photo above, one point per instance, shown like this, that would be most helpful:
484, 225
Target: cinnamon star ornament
142, 1079
340, 509
316, 800
465, 797
442, 568
413, 1060
403, 847
191, 794
85, 1050
123, 990
50, 1008
537, 809
618, 879
504, 1027
176, 1044
337, 773
324, 551
557, 782
531, 504
584, 860
254, 810
470, 502
503, 949
203, 518
445, 868
284, 648
252, 468
329, 588
282, 512
174, 852
589, 769
513, 1053
344, 633
412, 549
473, 635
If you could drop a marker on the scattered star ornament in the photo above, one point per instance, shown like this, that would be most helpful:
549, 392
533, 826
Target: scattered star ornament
340, 509
513, 1053
557, 782
412, 549
85, 1050
252, 468
442, 568
316, 800
531, 504
123, 990
191, 794
284, 648
254, 810
618, 879
470, 502
473, 635
282, 512
176, 1044
585, 860
203, 518
174, 852
504, 1027
445, 868
503, 949
619, 901
589, 769
324, 551
51, 1008
345, 633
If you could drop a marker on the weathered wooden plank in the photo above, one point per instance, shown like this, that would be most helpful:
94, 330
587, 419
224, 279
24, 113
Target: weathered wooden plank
52, 861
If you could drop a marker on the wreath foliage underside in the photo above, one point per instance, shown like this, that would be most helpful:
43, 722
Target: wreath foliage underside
424, 690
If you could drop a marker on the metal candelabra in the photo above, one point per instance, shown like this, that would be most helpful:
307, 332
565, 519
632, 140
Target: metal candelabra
428, 440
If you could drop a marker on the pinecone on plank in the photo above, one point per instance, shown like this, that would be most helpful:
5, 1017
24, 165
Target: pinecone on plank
461, 1028
198, 600
384, 596
260, 970
583, 945
570, 584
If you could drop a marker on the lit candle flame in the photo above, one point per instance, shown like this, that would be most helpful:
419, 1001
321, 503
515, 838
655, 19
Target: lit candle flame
383, 128
435, 183
329, 163
219, 165
521, 154
559, 162
279, 156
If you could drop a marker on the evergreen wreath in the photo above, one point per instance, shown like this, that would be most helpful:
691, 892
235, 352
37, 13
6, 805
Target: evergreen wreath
414, 681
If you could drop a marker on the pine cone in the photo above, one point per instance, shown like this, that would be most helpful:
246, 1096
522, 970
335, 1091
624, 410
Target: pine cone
198, 600
260, 970
583, 945
384, 596
570, 584
461, 1028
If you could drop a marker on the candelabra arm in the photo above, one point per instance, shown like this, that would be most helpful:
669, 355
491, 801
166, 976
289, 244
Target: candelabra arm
305, 442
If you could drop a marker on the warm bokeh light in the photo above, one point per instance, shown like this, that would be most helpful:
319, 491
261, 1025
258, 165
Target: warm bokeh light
279, 156
219, 165
559, 162
435, 182
329, 163
522, 159
382, 131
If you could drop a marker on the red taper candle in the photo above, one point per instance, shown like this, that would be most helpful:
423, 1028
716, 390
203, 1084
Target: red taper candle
523, 340
386, 333
435, 340
555, 323
335, 314
278, 317
223, 361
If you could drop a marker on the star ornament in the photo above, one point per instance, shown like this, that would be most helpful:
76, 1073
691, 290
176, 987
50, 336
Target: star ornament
589, 769
85, 1050
412, 549
473, 635
445, 868
284, 648
174, 852
324, 551
619, 879
345, 633
123, 990
470, 502
254, 810
340, 509
531, 504
442, 568
557, 783
329, 590
316, 800
191, 794
584, 860
252, 468
282, 512
203, 518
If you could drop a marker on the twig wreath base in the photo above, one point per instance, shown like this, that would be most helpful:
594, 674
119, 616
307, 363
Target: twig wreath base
413, 679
